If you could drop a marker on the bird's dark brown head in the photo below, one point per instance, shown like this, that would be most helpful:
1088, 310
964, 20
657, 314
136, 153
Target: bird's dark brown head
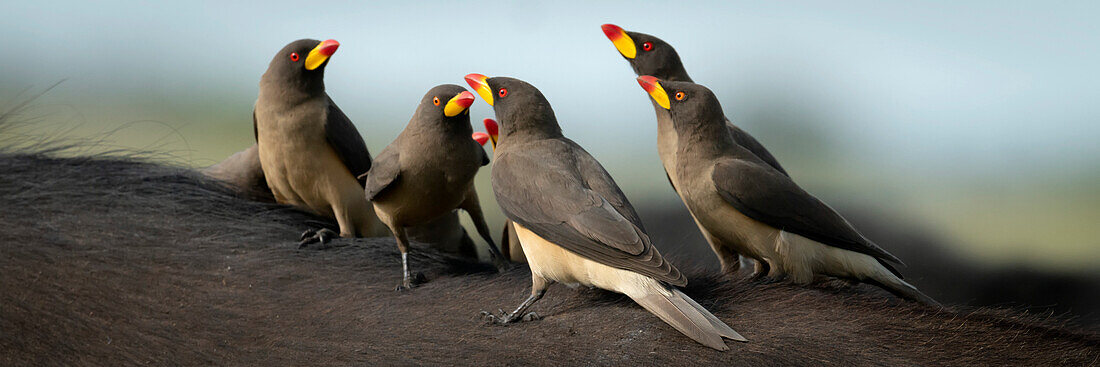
647, 55
692, 106
300, 66
520, 108
446, 106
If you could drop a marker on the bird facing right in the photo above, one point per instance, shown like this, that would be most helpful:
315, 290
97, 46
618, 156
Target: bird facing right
428, 171
755, 210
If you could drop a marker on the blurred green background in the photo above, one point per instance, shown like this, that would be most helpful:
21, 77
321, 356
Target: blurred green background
976, 122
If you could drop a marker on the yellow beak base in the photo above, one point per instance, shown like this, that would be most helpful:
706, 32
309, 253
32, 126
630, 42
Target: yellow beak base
480, 85
459, 103
625, 45
659, 95
318, 55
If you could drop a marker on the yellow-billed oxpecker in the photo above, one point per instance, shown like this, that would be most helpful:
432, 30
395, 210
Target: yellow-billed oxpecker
574, 224
428, 171
749, 207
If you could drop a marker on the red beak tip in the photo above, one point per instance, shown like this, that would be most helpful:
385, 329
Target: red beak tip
474, 77
647, 82
328, 47
491, 126
465, 99
481, 137
612, 31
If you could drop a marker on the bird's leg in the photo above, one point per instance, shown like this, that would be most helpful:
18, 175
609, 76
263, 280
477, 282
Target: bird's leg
760, 269
538, 288
408, 280
729, 259
473, 208
322, 235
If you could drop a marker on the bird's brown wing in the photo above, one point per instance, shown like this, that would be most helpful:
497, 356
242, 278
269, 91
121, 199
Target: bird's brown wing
557, 190
742, 138
346, 141
384, 172
764, 194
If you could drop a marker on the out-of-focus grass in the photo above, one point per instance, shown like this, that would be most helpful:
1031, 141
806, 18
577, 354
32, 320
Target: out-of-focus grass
1056, 223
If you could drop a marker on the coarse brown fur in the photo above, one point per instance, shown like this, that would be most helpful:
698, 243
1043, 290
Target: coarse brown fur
109, 261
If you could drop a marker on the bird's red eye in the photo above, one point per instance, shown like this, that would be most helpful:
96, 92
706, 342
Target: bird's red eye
680, 96
436, 101
294, 56
647, 46
502, 92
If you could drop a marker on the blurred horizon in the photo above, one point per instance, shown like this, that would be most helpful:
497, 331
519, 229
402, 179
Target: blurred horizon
974, 120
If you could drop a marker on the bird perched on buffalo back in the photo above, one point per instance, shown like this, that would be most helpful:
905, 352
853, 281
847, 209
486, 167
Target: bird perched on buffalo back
575, 225
649, 55
310, 151
751, 208
429, 170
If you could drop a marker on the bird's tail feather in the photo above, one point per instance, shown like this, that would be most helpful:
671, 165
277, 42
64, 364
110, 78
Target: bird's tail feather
903, 289
724, 330
682, 313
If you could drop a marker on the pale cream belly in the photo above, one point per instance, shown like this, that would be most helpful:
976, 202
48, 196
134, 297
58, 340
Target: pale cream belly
553, 262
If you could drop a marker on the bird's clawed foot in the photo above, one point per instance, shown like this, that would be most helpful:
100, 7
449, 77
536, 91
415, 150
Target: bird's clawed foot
506, 318
322, 236
410, 282
760, 270
502, 264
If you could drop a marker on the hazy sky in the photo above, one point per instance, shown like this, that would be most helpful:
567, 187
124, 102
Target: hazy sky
968, 85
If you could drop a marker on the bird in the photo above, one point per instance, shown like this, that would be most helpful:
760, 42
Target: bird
751, 208
649, 55
575, 225
509, 243
428, 171
242, 173
309, 150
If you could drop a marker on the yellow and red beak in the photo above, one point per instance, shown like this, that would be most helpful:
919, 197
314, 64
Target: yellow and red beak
481, 86
480, 137
622, 42
321, 53
460, 102
653, 87
493, 129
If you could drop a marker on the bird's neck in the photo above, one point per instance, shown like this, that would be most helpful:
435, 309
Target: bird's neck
290, 92
679, 75
534, 123
708, 139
